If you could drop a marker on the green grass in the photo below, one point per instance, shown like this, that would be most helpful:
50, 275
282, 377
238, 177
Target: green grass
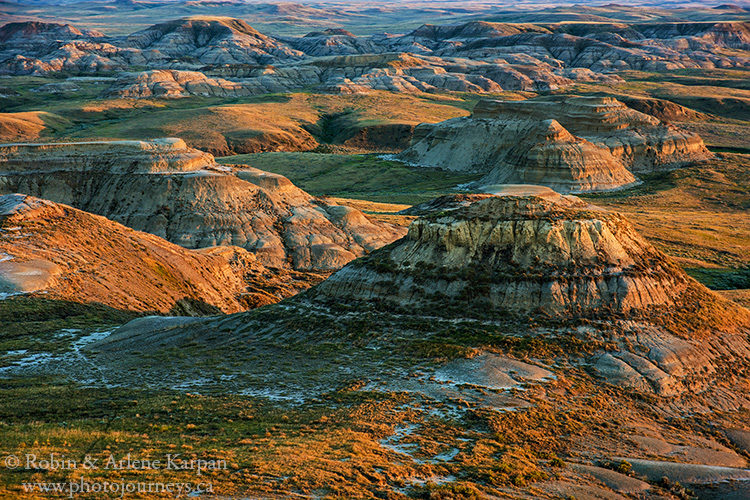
21, 94
651, 183
727, 149
722, 279
43, 416
733, 78
720, 93
356, 176
30, 323
319, 449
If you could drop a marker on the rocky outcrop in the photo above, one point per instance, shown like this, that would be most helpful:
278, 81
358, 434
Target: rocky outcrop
603, 47
352, 74
664, 110
529, 268
331, 42
180, 194
700, 36
522, 254
26, 35
23, 42
471, 30
574, 144
519, 152
175, 83
406, 72
640, 141
68, 254
169, 155
40, 48
188, 43
453, 201
535, 255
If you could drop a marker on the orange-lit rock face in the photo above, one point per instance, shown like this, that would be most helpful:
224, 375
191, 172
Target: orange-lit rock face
87, 258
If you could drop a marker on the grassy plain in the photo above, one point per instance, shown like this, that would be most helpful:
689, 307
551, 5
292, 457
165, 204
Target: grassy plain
273, 122
696, 214
368, 177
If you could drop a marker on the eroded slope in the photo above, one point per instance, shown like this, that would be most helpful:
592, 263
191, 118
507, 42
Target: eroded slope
572, 144
180, 194
60, 253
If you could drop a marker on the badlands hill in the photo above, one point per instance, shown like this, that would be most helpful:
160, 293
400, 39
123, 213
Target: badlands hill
526, 257
28, 126
476, 56
61, 253
182, 195
532, 252
362, 17
572, 144
45, 47
207, 40
352, 74
539, 254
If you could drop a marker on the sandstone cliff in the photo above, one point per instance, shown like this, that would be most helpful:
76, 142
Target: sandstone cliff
640, 141
180, 194
168, 155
